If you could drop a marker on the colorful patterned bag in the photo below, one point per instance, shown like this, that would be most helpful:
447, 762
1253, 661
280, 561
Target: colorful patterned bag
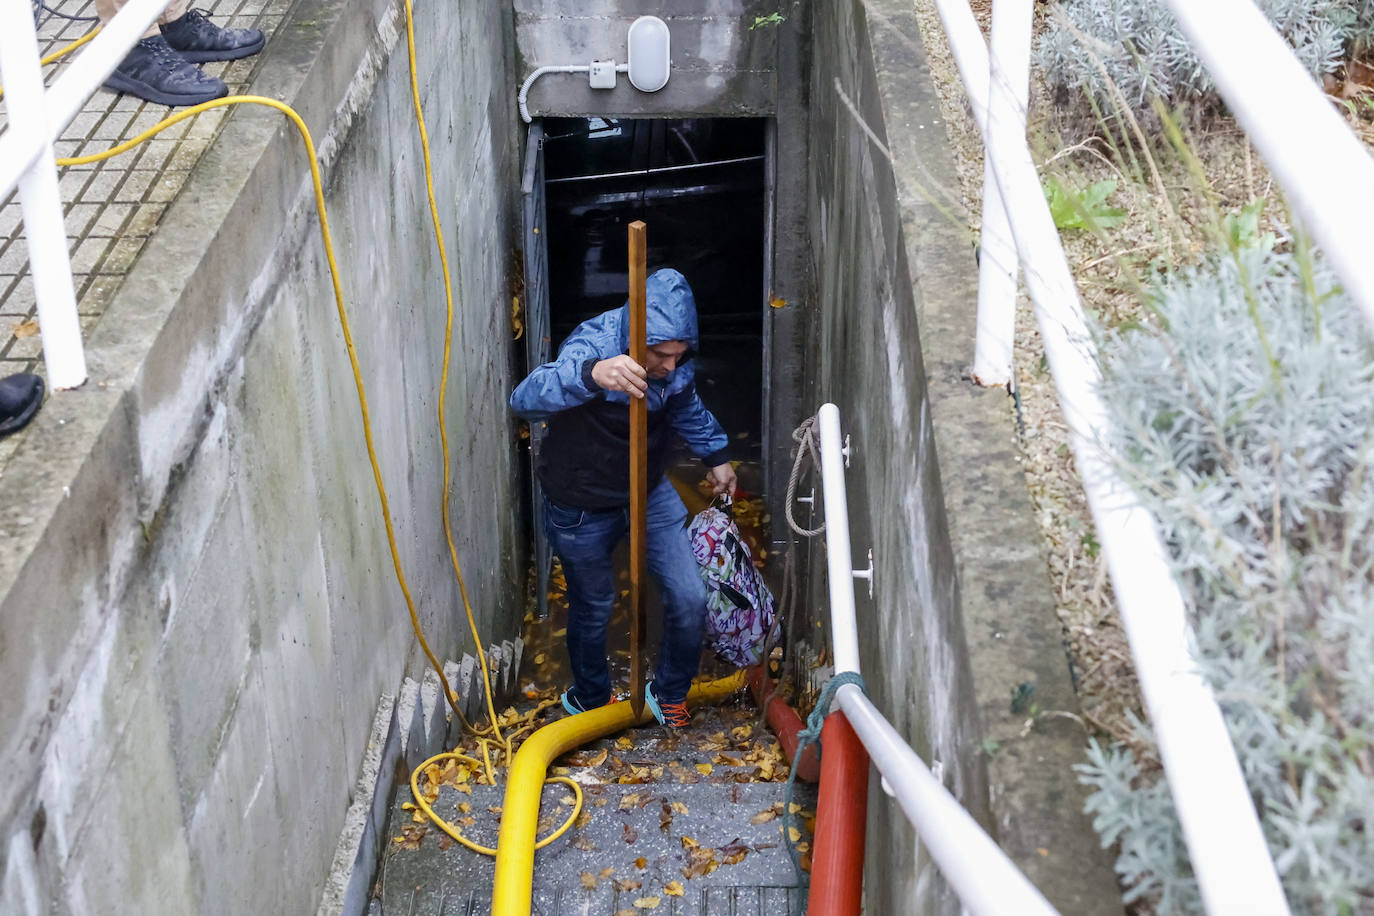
739, 606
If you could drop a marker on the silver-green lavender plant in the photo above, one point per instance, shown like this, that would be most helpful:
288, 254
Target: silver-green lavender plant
1138, 44
1244, 419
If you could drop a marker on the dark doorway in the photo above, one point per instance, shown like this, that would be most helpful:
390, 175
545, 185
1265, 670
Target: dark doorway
699, 185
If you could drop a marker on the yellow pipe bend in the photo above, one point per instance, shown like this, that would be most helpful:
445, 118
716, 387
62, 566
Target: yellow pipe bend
512, 892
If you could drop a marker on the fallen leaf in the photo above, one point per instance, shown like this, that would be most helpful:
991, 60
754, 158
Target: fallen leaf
733, 853
598, 758
665, 817
704, 769
763, 817
583, 843
628, 911
26, 328
641, 862
646, 903
625, 885
589, 880
629, 834
688, 843
629, 801
606, 872
793, 834
464, 807
673, 889
624, 744
679, 807
777, 303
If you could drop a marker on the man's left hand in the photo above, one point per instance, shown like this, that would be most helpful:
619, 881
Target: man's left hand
722, 479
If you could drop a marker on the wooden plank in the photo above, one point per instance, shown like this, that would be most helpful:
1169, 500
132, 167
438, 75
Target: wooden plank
639, 468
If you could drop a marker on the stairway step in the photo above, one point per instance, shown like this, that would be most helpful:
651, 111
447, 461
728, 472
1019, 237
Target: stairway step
626, 824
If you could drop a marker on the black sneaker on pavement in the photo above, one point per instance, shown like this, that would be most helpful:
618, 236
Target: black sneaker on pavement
199, 40
21, 395
153, 71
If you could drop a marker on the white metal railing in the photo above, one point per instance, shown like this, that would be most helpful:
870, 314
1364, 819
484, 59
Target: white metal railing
985, 880
1225, 842
37, 117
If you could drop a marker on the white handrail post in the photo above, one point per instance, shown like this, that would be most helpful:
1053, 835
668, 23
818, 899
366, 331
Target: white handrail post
844, 629
1009, 75
40, 199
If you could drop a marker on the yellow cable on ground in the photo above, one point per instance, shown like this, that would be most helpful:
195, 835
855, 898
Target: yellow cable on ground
457, 835
512, 891
64, 51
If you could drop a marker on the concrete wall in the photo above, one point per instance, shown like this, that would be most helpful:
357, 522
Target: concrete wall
962, 611
199, 605
720, 66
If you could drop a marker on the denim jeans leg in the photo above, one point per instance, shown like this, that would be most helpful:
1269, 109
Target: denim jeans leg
584, 541
684, 594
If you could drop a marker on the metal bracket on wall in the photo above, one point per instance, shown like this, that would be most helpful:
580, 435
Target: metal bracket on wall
867, 573
845, 451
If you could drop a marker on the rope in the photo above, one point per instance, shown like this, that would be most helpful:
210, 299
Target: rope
805, 435
808, 736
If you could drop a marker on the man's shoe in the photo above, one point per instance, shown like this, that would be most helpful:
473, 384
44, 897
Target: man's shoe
153, 71
21, 395
199, 40
574, 706
673, 715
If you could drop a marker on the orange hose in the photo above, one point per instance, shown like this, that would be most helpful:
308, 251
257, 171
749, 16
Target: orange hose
837, 862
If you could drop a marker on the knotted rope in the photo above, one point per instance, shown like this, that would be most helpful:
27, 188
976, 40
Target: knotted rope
807, 438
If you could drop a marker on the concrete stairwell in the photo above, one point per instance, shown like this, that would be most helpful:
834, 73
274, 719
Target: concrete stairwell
687, 818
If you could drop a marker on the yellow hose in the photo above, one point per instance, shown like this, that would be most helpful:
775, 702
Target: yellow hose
512, 892
64, 51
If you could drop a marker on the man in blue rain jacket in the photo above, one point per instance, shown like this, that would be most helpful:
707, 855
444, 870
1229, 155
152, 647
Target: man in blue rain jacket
584, 467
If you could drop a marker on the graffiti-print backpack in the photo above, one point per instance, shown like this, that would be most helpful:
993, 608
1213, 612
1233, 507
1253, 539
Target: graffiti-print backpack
739, 606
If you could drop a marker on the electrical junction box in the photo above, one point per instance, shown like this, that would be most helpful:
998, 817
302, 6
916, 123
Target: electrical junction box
602, 74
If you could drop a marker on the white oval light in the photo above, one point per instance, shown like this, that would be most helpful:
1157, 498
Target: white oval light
648, 54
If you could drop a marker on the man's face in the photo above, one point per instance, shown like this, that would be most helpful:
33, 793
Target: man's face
662, 358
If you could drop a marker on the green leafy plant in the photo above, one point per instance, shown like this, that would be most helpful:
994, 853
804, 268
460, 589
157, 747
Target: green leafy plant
1085, 209
772, 19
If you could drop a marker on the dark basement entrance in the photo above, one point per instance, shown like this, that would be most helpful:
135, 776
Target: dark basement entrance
701, 185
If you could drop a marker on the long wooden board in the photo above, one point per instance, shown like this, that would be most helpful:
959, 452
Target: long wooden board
639, 468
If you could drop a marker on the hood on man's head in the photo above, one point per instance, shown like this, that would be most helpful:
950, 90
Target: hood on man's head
671, 308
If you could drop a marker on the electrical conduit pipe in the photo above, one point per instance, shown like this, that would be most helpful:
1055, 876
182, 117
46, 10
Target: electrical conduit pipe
837, 861
512, 892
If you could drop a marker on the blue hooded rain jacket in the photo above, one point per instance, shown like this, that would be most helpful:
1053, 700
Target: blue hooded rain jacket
585, 459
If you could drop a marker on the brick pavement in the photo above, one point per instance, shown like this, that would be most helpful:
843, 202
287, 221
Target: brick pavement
111, 207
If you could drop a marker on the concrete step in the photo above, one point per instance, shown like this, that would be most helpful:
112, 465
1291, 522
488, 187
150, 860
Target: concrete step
687, 818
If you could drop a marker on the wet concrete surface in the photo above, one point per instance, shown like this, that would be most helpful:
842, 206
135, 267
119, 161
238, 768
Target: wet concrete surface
700, 834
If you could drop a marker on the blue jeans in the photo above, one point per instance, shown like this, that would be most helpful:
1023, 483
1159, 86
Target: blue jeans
584, 539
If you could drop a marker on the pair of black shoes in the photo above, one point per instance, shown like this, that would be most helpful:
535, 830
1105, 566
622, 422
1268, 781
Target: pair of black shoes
162, 69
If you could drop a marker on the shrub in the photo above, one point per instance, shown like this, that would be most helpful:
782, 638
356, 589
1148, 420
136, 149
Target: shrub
1140, 47
1244, 420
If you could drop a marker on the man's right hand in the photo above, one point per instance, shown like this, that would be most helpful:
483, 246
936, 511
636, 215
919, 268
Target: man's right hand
620, 373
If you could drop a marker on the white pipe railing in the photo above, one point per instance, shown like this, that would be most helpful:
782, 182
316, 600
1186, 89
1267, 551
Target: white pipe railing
980, 873
997, 268
37, 117
1226, 844
1315, 156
